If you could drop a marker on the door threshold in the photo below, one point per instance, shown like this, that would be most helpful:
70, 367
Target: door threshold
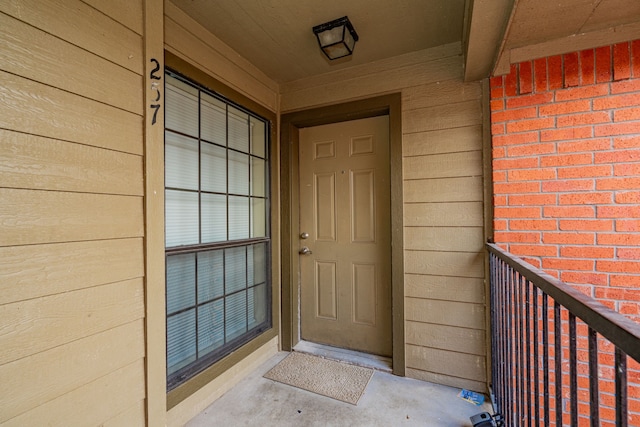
379, 363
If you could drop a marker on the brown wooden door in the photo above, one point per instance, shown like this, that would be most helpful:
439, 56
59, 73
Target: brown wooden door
345, 209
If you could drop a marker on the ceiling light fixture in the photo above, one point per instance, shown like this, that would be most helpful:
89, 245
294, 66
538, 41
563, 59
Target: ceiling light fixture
336, 38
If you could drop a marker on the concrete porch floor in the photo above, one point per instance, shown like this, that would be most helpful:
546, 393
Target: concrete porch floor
388, 401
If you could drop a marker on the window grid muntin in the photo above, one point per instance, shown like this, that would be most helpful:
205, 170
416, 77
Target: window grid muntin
201, 362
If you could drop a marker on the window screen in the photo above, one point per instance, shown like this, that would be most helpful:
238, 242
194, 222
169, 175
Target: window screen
217, 235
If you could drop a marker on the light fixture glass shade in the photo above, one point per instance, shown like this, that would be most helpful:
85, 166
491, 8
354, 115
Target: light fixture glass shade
336, 38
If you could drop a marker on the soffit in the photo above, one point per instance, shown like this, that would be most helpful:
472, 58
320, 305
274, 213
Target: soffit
539, 28
276, 36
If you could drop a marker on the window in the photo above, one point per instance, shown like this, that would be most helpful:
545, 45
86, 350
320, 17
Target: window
217, 227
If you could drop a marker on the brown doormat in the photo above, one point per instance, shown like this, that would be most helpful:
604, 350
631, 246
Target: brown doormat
336, 380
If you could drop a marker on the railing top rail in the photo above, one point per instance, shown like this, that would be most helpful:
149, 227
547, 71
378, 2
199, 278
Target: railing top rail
620, 330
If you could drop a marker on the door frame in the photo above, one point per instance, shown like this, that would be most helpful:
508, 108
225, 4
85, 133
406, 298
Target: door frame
290, 124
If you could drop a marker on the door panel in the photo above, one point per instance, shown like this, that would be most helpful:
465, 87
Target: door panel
345, 208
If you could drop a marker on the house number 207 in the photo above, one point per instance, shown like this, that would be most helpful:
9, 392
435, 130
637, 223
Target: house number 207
155, 106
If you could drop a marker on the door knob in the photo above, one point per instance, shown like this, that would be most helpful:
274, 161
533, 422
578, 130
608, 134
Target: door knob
304, 235
304, 251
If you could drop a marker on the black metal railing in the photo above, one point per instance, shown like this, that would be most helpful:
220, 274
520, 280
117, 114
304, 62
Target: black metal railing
559, 357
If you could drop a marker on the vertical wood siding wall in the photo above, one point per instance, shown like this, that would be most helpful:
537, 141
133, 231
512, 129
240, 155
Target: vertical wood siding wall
71, 213
443, 203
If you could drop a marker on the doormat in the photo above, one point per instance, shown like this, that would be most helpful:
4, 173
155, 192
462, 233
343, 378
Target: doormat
329, 378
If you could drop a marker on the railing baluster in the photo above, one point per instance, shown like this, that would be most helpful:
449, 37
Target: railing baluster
527, 290
521, 365
492, 320
495, 321
536, 375
498, 337
545, 355
594, 396
621, 388
557, 332
509, 332
573, 370
503, 342
518, 350
521, 323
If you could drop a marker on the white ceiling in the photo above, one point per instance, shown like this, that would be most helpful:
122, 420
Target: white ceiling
276, 35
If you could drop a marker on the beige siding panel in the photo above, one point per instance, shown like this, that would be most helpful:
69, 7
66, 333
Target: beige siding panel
451, 381
377, 67
443, 337
91, 404
447, 288
443, 165
468, 138
460, 314
184, 44
466, 189
32, 107
440, 93
448, 239
30, 217
185, 21
39, 56
448, 116
126, 12
37, 270
372, 84
35, 162
460, 264
39, 324
445, 362
62, 369
134, 416
82, 25
457, 214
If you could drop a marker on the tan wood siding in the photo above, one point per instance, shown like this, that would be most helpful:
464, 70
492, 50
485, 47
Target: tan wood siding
443, 362
443, 203
190, 41
461, 289
35, 108
35, 162
31, 216
450, 214
37, 55
470, 341
82, 25
126, 12
439, 141
125, 385
72, 341
39, 324
62, 369
65, 267
444, 263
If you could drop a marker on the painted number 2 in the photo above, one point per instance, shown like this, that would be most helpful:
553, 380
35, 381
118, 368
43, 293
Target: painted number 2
154, 86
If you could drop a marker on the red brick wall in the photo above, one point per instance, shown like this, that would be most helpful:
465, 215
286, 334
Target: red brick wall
566, 165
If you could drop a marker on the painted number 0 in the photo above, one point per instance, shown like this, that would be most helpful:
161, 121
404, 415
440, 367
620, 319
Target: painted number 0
154, 86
